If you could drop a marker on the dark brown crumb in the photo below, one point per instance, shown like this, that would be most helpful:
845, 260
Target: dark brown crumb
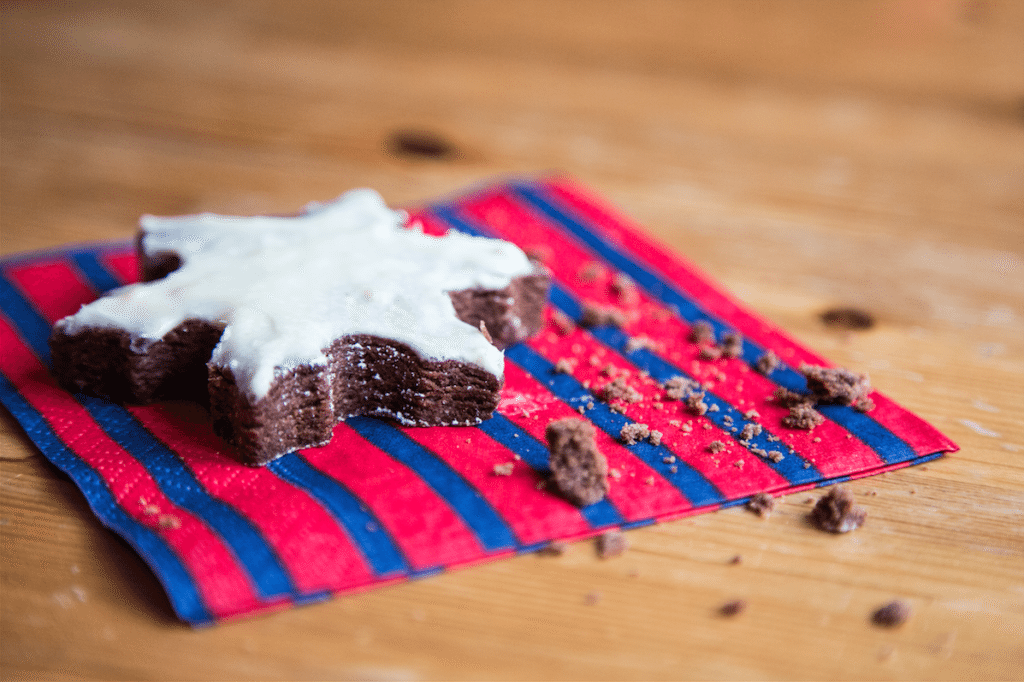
767, 363
836, 512
553, 548
634, 433
620, 390
803, 416
716, 446
892, 615
835, 384
737, 559
733, 608
563, 323
732, 344
578, 468
655, 437
787, 398
599, 316
702, 332
420, 143
695, 403
626, 289
565, 366
847, 318
749, 431
612, 543
677, 387
761, 504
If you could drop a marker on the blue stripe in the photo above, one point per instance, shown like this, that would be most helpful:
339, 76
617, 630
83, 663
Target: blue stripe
491, 530
535, 453
686, 479
179, 484
100, 278
33, 327
365, 529
889, 447
177, 582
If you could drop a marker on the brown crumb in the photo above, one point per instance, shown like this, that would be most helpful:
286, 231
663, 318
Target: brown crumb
732, 344
695, 403
578, 468
762, 504
151, 510
633, 433
749, 431
592, 598
168, 522
620, 390
503, 469
892, 615
733, 608
563, 323
702, 332
675, 422
751, 414
864, 405
678, 387
655, 437
716, 446
803, 416
599, 316
640, 342
767, 363
610, 544
626, 289
836, 512
553, 548
787, 398
736, 559
776, 456
835, 384
847, 318
565, 366
710, 352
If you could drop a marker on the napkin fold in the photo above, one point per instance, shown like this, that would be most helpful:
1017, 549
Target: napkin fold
383, 503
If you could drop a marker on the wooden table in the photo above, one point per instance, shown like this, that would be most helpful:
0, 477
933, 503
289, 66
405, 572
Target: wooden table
808, 155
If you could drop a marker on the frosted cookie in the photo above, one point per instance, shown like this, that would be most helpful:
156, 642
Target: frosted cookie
287, 325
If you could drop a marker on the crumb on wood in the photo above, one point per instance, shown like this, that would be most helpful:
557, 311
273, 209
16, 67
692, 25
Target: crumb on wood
836, 512
611, 544
762, 504
553, 548
733, 608
736, 559
891, 615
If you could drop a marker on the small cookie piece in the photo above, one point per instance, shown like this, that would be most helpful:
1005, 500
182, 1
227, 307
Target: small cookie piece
600, 316
733, 608
836, 385
578, 468
611, 544
803, 416
891, 615
762, 504
678, 387
701, 332
632, 434
732, 344
836, 512
767, 363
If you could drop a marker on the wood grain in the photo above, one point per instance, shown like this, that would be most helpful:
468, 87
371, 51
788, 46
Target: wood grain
805, 154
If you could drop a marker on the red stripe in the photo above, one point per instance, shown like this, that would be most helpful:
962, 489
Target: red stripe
420, 522
54, 287
638, 492
318, 554
223, 585
123, 264
534, 515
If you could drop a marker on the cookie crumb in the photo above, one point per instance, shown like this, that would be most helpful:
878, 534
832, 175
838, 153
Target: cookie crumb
655, 437
565, 366
847, 318
767, 363
892, 615
618, 389
591, 271
762, 504
633, 433
736, 560
750, 431
611, 544
835, 384
678, 387
592, 598
716, 446
599, 316
578, 468
503, 469
864, 405
168, 522
803, 416
695, 403
732, 344
710, 353
733, 608
553, 548
701, 332
836, 512
563, 323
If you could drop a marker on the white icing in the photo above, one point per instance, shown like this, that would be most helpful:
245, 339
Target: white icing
285, 287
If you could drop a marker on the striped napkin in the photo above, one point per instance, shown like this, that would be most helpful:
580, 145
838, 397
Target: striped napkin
383, 503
